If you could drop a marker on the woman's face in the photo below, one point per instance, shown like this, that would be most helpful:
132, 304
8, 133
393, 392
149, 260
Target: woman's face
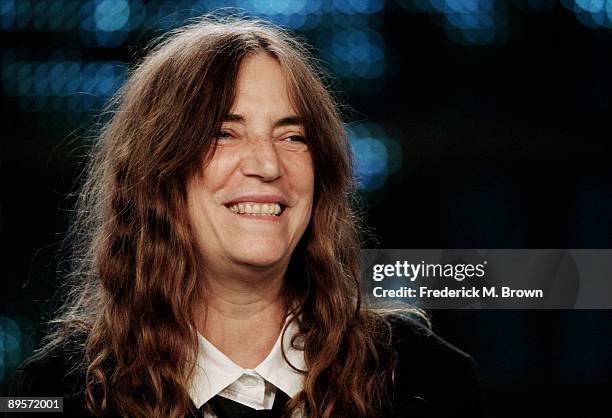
254, 200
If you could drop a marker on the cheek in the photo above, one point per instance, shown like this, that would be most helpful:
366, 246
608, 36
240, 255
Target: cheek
310, 176
302, 175
194, 202
215, 175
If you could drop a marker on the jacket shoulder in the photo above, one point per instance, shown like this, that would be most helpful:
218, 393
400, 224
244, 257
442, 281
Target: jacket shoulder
410, 333
54, 371
432, 376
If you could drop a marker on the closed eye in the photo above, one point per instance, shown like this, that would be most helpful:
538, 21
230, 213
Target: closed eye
224, 135
296, 138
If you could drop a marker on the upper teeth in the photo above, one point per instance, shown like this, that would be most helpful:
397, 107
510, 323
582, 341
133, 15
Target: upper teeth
256, 208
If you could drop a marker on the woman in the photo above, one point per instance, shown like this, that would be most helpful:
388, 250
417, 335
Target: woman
217, 261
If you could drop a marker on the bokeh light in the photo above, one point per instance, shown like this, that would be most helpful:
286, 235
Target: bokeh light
356, 53
70, 86
591, 13
106, 23
346, 33
10, 346
7, 14
467, 22
375, 155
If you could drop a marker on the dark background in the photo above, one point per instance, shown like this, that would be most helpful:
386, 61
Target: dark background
493, 132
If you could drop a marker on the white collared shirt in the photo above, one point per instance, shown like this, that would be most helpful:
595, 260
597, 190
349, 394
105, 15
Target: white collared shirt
217, 374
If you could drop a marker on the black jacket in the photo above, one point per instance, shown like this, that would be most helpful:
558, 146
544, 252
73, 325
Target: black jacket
433, 378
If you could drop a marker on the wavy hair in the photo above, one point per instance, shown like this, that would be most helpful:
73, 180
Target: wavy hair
134, 278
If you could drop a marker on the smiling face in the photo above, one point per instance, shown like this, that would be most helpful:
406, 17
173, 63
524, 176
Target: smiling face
253, 200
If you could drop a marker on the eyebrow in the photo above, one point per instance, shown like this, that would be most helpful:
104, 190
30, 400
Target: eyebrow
286, 121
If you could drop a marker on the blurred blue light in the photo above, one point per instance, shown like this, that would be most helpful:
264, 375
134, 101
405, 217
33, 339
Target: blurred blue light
105, 79
375, 156
293, 21
343, 6
485, 5
107, 23
592, 6
138, 13
10, 345
57, 78
86, 11
313, 6
73, 16
370, 162
43, 86
272, 7
466, 22
168, 14
591, 13
462, 21
599, 17
88, 77
312, 22
371, 6
41, 80
128, 15
589, 19
39, 15
461, 6
73, 78
23, 14
2, 362
56, 15
110, 39
7, 13
358, 6
112, 15
358, 53
439, 5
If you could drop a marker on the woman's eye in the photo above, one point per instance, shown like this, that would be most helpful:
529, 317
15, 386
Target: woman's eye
295, 138
224, 135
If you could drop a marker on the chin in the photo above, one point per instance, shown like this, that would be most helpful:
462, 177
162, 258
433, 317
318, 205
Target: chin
261, 257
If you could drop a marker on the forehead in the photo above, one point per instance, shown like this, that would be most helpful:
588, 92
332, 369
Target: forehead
262, 86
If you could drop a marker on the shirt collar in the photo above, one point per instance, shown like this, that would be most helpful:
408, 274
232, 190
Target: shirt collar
214, 371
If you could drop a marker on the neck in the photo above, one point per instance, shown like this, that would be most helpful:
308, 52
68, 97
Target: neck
239, 310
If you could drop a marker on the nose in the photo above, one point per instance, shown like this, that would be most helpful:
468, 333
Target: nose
260, 159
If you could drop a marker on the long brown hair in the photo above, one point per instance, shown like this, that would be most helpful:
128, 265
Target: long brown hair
136, 263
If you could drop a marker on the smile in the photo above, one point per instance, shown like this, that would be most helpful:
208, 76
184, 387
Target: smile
256, 209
